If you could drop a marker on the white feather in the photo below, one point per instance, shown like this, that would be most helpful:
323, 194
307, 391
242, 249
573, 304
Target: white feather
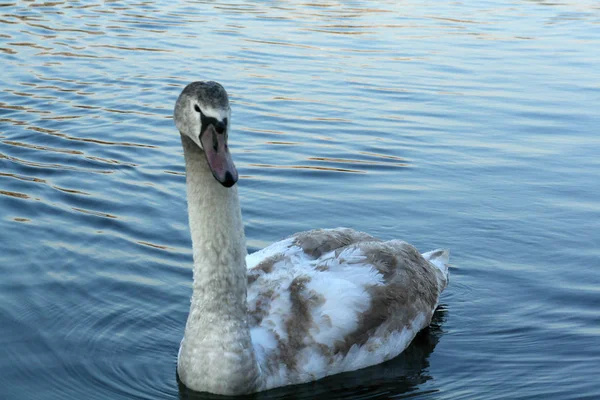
339, 279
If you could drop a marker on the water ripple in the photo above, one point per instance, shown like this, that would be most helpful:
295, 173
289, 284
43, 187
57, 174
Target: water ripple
468, 126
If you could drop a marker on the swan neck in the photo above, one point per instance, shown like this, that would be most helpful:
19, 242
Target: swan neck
216, 353
215, 219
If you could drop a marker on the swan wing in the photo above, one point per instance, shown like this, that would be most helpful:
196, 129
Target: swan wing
332, 300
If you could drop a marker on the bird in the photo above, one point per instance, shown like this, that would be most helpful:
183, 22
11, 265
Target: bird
317, 303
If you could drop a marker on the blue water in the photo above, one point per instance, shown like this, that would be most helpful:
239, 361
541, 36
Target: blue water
469, 126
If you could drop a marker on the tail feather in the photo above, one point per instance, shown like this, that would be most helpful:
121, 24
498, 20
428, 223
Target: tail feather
439, 258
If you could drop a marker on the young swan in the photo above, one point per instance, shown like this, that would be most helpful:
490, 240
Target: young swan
315, 304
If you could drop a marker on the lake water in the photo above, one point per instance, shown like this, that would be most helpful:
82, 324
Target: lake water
470, 126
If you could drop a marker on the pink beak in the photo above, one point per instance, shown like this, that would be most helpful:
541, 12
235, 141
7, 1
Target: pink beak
218, 156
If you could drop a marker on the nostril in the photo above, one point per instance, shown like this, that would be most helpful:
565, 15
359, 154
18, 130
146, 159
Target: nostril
220, 127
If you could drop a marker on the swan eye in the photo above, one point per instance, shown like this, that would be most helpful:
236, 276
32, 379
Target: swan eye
197, 108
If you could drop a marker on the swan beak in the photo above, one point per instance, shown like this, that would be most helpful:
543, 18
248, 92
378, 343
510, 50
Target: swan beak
218, 156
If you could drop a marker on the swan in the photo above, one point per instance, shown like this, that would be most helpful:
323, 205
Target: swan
315, 304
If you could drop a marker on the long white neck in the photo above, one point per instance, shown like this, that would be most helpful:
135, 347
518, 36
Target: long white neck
216, 353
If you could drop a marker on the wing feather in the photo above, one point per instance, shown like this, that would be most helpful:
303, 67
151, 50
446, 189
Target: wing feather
327, 301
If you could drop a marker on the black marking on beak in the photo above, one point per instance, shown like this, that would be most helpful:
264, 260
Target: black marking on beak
229, 181
220, 127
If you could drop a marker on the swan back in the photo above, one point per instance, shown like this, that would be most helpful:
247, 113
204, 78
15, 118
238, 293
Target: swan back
328, 301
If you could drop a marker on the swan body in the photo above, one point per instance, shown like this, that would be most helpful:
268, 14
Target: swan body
315, 304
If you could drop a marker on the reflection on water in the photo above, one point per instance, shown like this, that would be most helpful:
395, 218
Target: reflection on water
470, 126
309, 167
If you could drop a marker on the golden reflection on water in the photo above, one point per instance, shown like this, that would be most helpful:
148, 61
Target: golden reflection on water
39, 180
298, 99
29, 44
338, 32
109, 46
39, 147
174, 173
307, 118
398, 163
75, 152
284, 143
71, 191
258, 130
366, 153
52, 165
350, 161
308, 167
111, 161
156, 246
71, 54
287, 44
11, 107
20, 177
14, 194
95, 213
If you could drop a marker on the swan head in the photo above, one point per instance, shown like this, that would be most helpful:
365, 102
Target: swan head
202, 114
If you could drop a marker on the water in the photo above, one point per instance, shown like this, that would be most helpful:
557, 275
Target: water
470, 126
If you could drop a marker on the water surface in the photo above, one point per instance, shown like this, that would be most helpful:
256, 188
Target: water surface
469, 126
